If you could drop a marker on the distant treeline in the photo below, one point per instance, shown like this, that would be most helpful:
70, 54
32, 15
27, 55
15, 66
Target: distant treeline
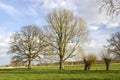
75, 63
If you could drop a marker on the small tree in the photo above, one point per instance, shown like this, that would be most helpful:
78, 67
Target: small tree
89, 60
26, 44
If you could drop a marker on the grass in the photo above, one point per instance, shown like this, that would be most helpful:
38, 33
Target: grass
75, 72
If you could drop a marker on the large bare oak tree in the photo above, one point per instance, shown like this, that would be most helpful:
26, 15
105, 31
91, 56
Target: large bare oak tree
26, 44
65, 33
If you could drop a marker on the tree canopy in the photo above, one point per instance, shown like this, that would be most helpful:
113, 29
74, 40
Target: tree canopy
26, 44
66, 33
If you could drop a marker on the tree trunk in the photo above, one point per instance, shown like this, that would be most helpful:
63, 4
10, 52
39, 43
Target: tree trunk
107, 66
85, 67
29, 64
89, 66
61, 64
107, 63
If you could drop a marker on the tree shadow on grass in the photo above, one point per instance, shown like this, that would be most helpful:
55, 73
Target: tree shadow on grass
50, 71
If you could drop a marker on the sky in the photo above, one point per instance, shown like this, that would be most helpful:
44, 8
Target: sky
15, 14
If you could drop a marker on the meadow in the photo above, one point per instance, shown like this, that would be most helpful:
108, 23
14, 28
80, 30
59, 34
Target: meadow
71, 72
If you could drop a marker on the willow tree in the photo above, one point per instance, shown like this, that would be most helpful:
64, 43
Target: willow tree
26, 44
88, 61
65, 33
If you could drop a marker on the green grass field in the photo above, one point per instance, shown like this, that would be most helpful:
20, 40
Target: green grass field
97, 72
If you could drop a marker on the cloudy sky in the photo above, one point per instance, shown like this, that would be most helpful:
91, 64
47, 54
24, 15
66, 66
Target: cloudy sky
15, 14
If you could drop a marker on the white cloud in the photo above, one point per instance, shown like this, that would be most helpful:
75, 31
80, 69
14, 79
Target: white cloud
4, 41
93, 47
87, 9
112, 25
9, 9
51, 4
92, 43
94, 28
113, 22
81, 8
4, 46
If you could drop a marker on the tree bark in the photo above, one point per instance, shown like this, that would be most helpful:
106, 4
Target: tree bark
107, 66
61, 65
89, 66
85, 67
85, 64
29, 64
107, 63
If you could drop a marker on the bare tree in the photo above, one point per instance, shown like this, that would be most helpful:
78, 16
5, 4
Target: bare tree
111, 7
26, 44
65, 33
114, 44
89, 60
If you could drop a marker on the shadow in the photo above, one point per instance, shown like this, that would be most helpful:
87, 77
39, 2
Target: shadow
52, 71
